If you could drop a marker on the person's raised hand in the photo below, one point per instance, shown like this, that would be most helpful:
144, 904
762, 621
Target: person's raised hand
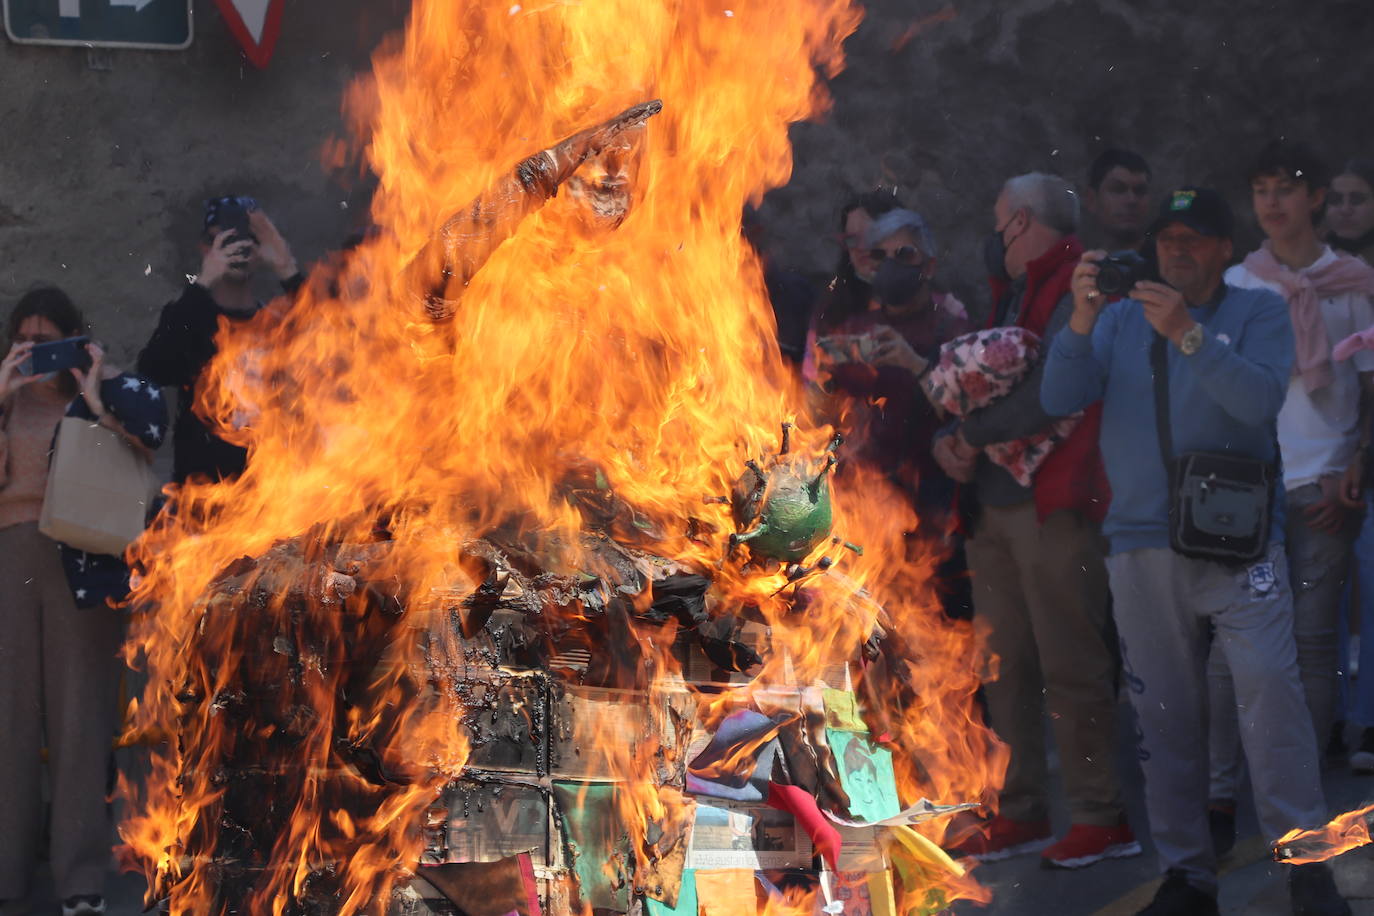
11, 379
955, 456
89, 380
226, 253
890, 348
272, 247
1087, 299
1165, 309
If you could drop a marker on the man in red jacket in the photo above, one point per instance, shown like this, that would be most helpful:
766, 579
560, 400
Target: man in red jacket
1036, 556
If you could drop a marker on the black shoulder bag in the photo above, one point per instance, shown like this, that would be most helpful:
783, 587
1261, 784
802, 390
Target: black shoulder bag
1221, 506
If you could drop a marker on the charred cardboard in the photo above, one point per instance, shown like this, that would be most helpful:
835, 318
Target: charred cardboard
509, 725
591, 723
490, 820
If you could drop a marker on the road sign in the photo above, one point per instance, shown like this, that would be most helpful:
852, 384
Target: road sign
256, 24
164, 24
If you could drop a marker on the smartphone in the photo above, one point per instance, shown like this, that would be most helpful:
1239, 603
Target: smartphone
233, 215
56, 356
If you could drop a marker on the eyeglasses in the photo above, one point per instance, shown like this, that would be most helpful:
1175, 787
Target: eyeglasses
1191, 239
907, 254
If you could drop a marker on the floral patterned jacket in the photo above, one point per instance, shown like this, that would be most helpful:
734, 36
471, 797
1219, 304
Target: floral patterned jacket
978, 368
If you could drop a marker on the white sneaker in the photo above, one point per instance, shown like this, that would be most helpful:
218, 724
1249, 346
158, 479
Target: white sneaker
1362, 761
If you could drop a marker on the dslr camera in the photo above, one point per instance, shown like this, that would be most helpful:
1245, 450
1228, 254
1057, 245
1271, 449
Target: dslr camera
1118, 272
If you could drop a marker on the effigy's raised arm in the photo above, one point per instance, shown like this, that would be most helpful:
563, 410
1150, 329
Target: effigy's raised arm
443, 268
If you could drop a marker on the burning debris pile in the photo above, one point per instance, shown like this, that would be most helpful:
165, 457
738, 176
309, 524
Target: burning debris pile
521, 605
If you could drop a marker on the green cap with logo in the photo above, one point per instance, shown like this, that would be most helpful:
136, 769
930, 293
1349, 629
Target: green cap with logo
1201, 209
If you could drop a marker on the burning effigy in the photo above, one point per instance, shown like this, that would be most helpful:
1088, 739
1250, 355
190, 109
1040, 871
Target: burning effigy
539, 592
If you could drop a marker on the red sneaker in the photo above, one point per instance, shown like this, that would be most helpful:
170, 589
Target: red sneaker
1085, 844
1004, 838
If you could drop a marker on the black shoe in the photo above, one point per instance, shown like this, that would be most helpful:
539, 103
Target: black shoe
1335, 745
1176, 897
1314, 893
1221, 820
83, 905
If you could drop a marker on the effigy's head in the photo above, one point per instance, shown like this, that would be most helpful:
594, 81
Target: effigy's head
782, 510
603, 188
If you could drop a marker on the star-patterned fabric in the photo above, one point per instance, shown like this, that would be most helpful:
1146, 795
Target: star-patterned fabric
138, 405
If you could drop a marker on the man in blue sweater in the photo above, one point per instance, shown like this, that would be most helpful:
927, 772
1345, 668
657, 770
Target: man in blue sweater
1229, 356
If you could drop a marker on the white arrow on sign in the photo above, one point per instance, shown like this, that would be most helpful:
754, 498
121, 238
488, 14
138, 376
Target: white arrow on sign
71, 9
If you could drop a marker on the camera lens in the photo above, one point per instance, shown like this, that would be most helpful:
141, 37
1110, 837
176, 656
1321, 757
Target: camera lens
1119, 273
1113, 281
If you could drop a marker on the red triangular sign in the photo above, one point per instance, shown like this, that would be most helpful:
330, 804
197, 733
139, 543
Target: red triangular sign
256, 24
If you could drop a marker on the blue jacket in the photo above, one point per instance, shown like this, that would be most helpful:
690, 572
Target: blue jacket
1225, 397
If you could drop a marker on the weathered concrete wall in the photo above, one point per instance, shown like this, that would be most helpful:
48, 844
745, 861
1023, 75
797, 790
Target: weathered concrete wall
987, 89
105, 157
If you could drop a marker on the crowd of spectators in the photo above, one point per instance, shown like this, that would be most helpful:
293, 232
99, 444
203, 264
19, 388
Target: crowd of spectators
1065, 554
1073, 562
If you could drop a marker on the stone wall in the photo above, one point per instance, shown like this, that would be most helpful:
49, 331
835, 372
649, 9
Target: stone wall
106, 155
944, 99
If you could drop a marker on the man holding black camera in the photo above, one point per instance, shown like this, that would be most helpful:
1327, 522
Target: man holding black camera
237, 240
1216, 360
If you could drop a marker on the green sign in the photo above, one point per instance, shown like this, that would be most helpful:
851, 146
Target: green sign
106, 23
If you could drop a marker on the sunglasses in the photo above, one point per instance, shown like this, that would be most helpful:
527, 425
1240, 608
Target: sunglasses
907, 254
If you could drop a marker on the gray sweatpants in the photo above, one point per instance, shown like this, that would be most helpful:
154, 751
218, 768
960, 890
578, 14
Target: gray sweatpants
1164, 605
57, 682
1319, 566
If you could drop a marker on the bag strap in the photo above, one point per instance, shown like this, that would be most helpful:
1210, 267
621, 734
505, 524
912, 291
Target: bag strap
1159, 367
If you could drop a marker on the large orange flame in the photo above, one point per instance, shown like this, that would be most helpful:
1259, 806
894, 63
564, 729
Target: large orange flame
1344, 833
298, 616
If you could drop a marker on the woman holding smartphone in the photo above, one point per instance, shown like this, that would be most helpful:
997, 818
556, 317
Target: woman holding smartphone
58, 638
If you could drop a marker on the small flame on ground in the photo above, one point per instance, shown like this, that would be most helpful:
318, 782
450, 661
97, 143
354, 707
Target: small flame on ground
1344, 833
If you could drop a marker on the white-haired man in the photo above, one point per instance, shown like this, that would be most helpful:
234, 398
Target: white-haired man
1036, 557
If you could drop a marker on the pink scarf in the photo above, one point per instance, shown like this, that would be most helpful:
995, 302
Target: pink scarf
1304, 291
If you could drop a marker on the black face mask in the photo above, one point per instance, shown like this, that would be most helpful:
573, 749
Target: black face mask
896, 283
995, 255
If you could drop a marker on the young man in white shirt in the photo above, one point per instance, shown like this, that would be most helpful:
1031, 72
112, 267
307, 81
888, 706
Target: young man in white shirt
1323, 431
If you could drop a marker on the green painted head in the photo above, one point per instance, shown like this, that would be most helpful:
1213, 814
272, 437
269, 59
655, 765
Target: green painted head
783, 512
